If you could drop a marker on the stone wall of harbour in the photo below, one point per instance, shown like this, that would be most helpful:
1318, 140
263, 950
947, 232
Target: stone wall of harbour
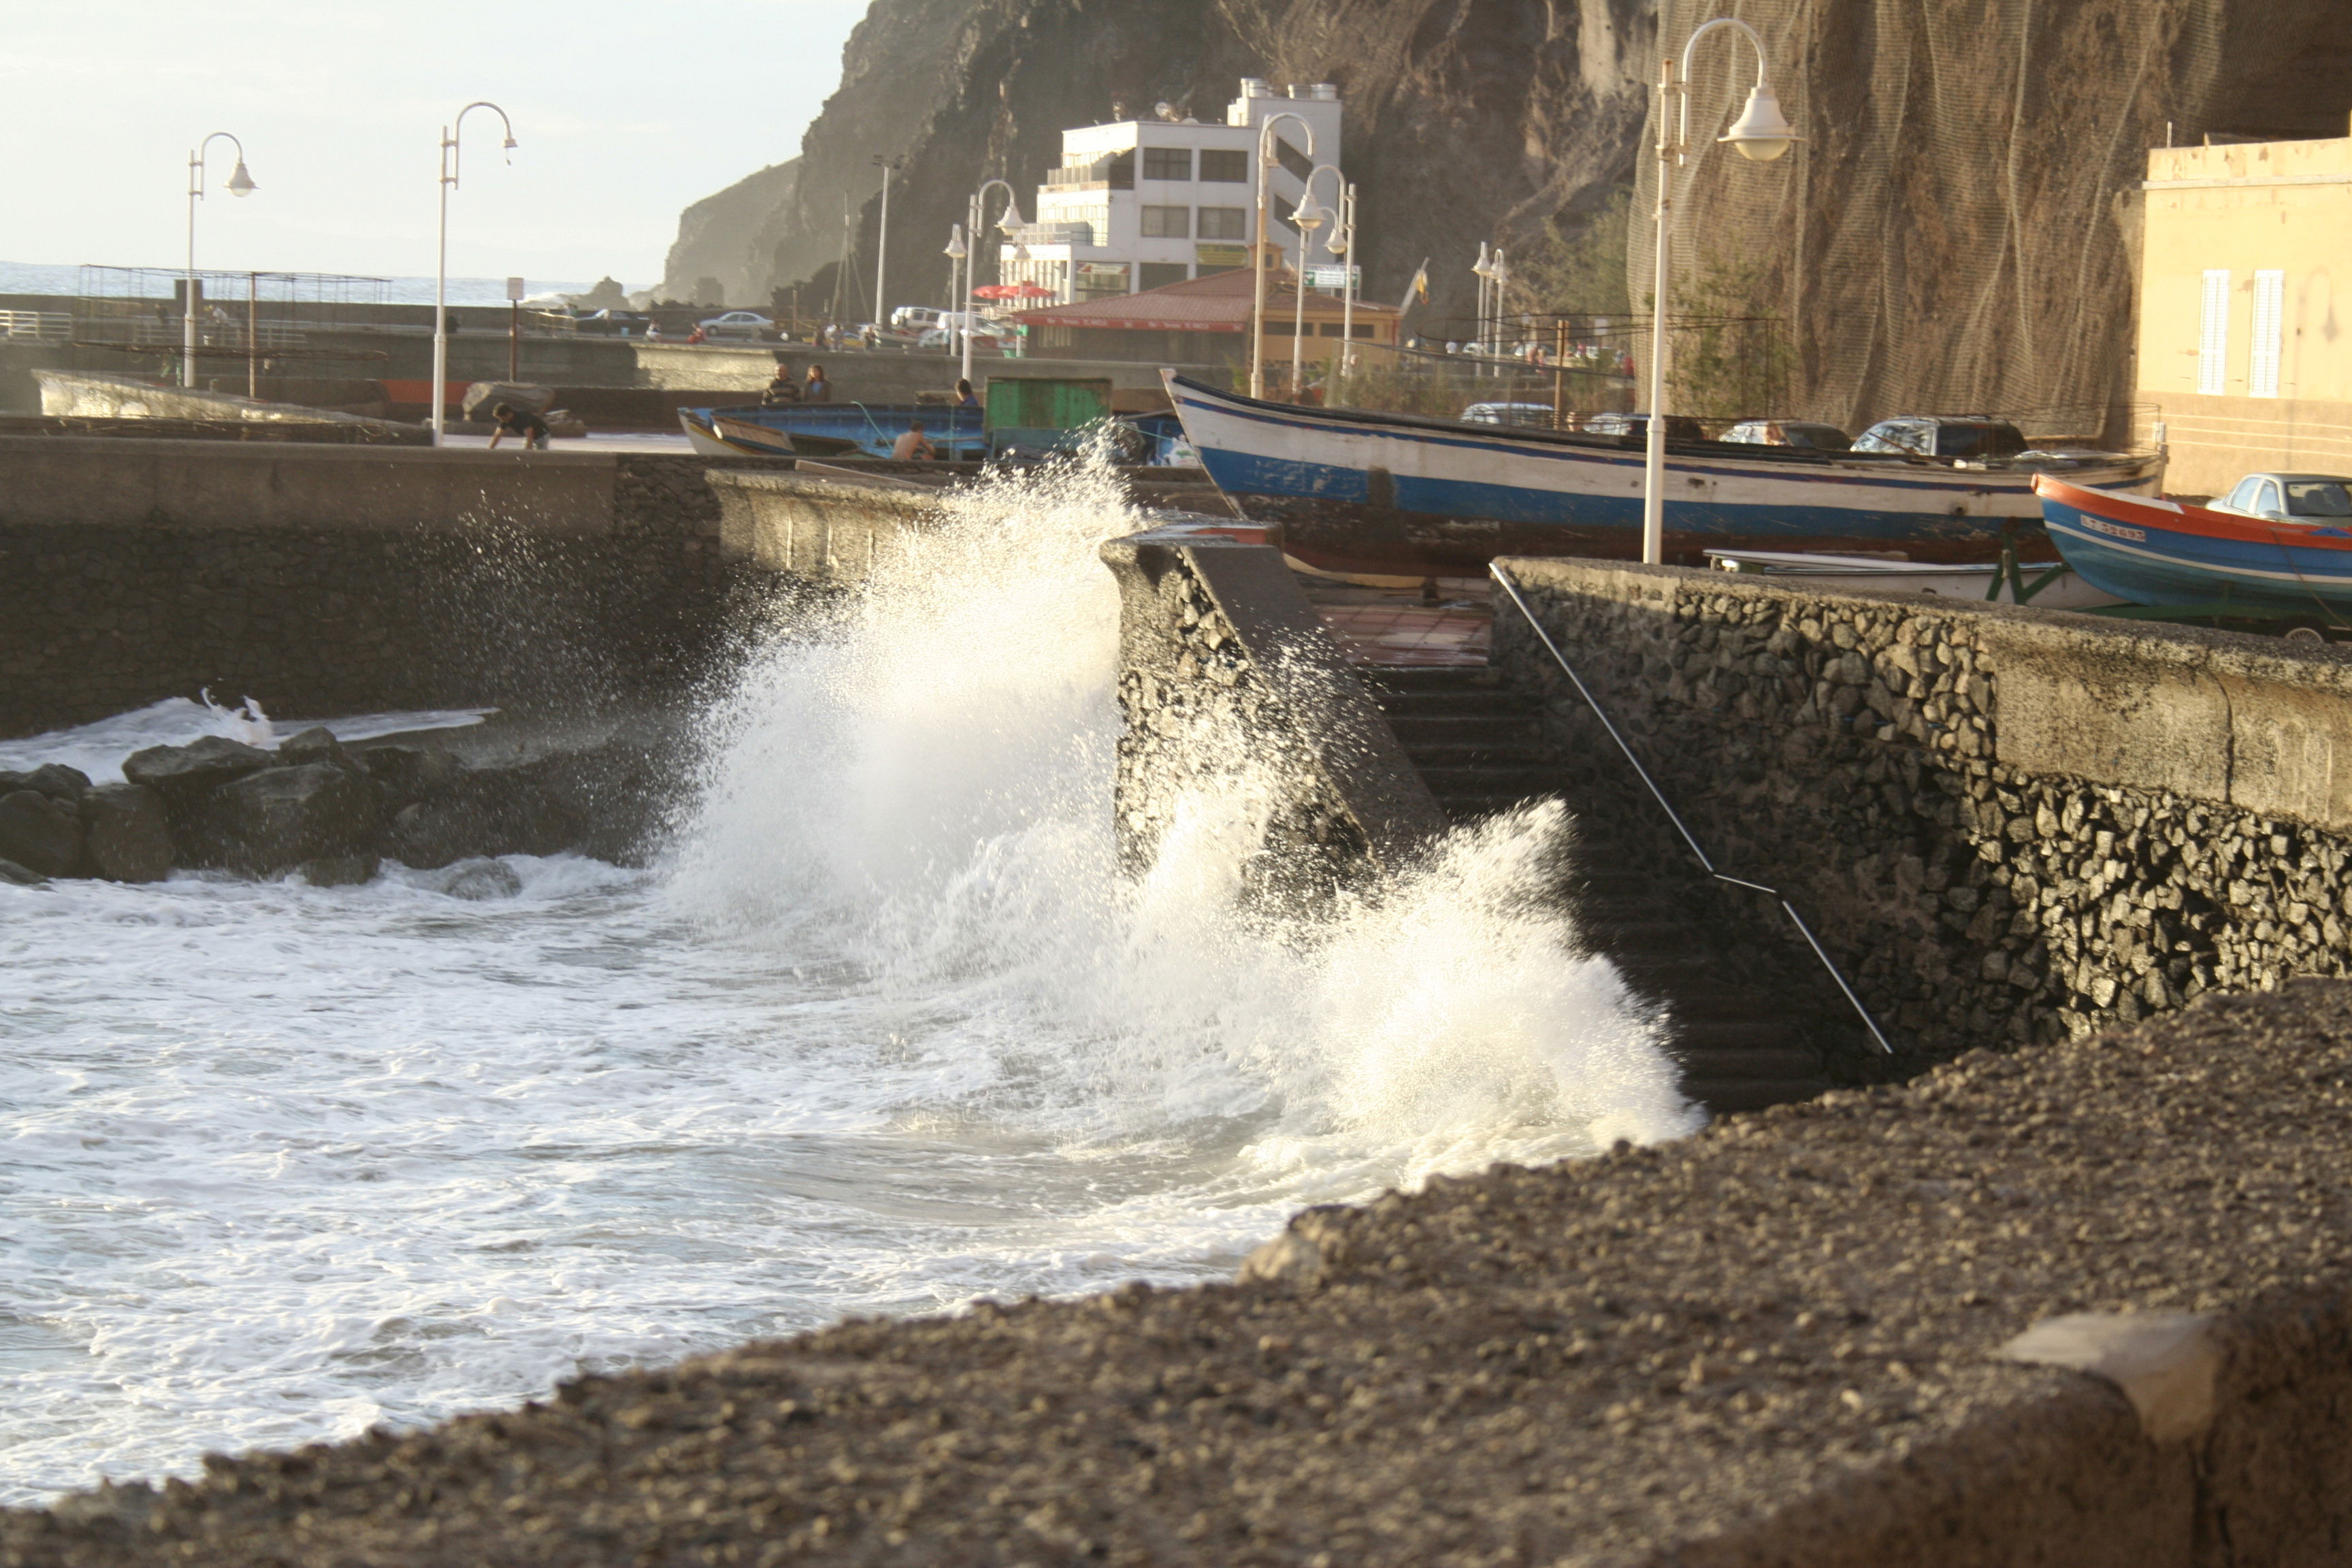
2008, 824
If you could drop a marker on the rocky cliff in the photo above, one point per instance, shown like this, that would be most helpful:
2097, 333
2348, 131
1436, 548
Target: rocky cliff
730, 239
1954, 231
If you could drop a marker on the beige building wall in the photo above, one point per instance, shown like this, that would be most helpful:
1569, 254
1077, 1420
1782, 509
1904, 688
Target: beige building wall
2224, 404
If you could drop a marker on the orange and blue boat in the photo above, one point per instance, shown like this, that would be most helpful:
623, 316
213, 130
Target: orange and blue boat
2200, 561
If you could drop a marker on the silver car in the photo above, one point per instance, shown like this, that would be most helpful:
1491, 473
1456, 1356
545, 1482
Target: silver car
2290, 498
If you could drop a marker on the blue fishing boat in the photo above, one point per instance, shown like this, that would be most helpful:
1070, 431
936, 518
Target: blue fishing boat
832, 429
2203, 560
1361, 491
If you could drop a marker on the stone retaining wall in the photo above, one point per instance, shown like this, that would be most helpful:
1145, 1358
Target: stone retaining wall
326, 580
1225, 672
2010, 825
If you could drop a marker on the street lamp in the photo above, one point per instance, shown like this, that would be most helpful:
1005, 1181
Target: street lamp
1306, 217
955, 252
882, 238
1259, 241
1483, 269
240, 184
1761, 134
438, 393
1006, 222
1341, 244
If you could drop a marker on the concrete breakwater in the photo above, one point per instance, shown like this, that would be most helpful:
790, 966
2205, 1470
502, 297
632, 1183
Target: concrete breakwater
330, 579
1780, 1342
328, 812
2014, 825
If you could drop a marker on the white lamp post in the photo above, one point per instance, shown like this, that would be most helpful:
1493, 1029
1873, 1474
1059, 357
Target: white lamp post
1259, 241
1342, 245
1307, 217
240, 184
1483, 268
437, 394
955, 252
1006, 222
1761, 134
882, 239
1498, 277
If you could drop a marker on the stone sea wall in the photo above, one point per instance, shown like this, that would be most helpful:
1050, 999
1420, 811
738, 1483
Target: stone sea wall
334, 579
2010, 825
1227, 678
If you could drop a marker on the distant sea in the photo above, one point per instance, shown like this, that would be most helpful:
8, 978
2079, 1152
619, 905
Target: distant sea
34, 278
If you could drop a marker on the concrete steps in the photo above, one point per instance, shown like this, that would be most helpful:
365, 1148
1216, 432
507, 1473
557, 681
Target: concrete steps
1480, 748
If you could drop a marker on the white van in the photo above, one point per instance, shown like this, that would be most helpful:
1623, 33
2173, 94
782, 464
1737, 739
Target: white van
922, 318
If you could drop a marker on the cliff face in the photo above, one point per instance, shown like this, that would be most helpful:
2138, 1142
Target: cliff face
731, 238
1956, 231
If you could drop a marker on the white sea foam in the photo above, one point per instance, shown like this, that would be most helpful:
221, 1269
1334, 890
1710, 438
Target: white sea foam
98, 748
885, 1033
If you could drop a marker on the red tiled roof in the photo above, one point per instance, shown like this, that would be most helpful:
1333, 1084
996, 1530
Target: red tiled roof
1217, 303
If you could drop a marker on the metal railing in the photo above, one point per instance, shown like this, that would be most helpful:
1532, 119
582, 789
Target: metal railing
1706, 864
50, 325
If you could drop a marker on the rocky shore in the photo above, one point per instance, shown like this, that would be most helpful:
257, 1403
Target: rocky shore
331, 813
1780, 1342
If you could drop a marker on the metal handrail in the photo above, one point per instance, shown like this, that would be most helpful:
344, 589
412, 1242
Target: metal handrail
1672, 815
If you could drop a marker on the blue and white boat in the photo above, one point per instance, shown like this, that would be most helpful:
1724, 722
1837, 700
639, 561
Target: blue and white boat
2194, 558
1359, 492
833, 430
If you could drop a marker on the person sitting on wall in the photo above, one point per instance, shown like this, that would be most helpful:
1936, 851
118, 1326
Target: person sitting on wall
696, 336
783, 390
913, 446
816, 389
965, 396
522, 421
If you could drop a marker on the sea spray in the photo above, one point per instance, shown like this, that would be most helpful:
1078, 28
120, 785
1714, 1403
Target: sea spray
927, 776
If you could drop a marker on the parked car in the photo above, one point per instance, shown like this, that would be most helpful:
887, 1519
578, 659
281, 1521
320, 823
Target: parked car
1789, 433
1510, 413
942, 337
2322, 499
737, 324
1975, 436
613, 324
1679, 427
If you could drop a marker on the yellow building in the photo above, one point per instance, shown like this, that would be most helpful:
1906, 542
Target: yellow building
2244, 351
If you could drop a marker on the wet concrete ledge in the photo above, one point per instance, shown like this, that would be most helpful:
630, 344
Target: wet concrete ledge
1778, 1343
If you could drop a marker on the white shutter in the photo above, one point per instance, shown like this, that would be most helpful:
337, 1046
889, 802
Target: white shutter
2270, 310
2213, 332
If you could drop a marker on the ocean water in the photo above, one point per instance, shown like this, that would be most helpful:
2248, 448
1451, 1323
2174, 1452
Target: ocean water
883, 1030
68, 281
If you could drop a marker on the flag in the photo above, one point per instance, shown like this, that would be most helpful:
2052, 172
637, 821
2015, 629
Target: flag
1418, 289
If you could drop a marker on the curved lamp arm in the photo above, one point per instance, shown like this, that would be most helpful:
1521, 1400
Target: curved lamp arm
1761, 133
452, 143
240, 184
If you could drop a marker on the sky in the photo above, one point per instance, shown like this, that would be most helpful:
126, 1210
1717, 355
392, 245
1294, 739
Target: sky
625, 113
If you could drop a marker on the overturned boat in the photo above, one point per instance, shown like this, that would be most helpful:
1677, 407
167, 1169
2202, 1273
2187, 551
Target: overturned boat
1359, 491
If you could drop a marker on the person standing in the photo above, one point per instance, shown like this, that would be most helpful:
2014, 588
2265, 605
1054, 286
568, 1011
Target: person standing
816, 389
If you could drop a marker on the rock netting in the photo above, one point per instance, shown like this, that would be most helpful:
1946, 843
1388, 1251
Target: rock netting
1846, 748
96, 619
326, 812
1777, 1342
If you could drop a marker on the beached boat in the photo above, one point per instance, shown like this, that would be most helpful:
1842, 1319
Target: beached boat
832, 429
2194, 558
1358, 492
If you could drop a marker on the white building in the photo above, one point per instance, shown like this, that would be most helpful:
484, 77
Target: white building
1145, 203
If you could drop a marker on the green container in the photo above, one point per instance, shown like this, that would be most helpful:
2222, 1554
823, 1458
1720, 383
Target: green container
1046, 403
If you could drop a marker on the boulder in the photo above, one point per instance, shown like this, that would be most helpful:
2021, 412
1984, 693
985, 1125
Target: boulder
201, 764
410, 773
318, 744
338, 870
54, 779
40, 832
483, 880
21, 876
125, 836
490, 814
269, 821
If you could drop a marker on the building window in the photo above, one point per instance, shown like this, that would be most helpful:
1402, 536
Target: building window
2213, 332
1167, 163
1224, 223
2269, 307
1100, 279
1160, 274
1229, 168
1167, 222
